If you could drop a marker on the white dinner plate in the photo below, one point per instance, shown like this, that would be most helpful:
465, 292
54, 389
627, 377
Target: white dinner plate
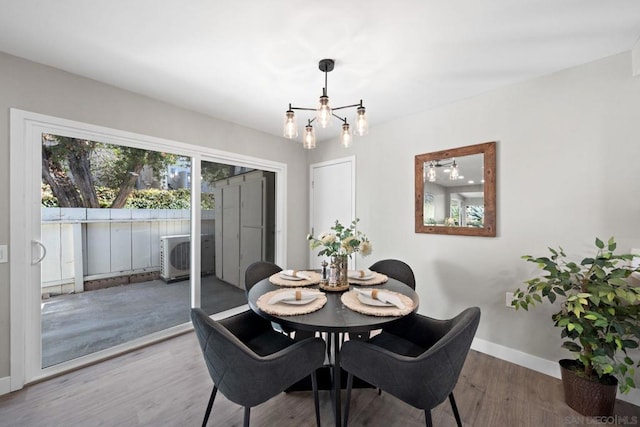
302, 301
287, 277
370, 301
356, 275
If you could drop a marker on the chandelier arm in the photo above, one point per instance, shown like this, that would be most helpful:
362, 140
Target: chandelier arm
344, 120
302, 108
334, 109
437, 164
346, 106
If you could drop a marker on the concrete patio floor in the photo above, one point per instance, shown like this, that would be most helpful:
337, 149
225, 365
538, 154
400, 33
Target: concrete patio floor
75, 325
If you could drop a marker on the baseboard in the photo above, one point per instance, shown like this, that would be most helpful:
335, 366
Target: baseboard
5, 385
538, 364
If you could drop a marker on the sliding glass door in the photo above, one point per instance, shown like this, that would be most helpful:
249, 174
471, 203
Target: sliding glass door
102, 234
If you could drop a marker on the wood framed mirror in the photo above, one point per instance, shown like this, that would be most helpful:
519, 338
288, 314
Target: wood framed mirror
455, 191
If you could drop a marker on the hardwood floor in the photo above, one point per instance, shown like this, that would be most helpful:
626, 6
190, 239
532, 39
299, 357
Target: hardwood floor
167, 384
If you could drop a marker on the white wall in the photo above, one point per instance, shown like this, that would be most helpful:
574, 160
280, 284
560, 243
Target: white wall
33, 87
568, 170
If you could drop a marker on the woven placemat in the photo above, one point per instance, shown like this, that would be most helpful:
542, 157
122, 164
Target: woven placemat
314, 279
284, 309
377, 279
350, 300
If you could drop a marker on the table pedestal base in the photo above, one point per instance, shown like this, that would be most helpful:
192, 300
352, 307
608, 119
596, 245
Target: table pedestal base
325, 381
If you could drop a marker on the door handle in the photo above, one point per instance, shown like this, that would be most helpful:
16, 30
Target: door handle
43, 251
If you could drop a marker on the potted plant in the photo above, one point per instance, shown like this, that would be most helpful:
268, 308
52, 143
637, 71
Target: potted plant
599, 318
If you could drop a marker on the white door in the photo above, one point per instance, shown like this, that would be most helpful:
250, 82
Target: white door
332, 198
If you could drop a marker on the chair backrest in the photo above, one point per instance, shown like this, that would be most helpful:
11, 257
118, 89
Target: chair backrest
242, 375
396, 269
224, 354
258, 271
445, 359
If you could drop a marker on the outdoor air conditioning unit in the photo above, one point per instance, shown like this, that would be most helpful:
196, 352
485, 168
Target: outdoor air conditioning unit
175, 252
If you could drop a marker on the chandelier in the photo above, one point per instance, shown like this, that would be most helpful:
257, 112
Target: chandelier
324, 114
454, 173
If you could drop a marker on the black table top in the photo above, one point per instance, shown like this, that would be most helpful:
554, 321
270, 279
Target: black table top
334, 316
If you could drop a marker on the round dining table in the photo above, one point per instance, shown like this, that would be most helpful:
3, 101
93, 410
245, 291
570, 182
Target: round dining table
334, 319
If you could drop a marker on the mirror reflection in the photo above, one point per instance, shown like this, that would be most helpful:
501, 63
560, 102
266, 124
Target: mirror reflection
455, 191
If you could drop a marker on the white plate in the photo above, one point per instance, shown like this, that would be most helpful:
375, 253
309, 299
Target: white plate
287, 277
370, 301
302, 301
355, 275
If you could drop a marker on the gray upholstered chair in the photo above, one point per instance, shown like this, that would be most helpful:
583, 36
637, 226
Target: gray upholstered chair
258, 271
417, 359
250, 363
261, 270
395, 269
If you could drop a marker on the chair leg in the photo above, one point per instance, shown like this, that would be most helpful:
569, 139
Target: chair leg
210, 405
348, 399
427, 417
316, 400
247, 414
454, 407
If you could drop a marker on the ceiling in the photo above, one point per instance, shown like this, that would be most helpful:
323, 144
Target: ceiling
244, 61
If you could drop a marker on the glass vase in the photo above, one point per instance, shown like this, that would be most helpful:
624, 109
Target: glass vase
342, 264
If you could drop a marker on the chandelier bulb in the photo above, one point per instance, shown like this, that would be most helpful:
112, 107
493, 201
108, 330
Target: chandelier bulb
431, 173
454, 171
309, 139
290, 128
323, 113
345, 136
362, 124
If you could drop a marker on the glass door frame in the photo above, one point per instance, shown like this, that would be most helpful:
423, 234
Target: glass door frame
26, 129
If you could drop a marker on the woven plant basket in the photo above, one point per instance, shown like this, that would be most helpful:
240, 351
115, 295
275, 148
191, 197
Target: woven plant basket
589, 398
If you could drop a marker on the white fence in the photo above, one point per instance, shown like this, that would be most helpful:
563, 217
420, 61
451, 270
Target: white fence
88, 244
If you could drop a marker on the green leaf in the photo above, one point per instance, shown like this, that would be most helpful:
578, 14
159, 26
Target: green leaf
537, 297
571, 326
599, 243
590, 317
552, 297
571, 346
617, 281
